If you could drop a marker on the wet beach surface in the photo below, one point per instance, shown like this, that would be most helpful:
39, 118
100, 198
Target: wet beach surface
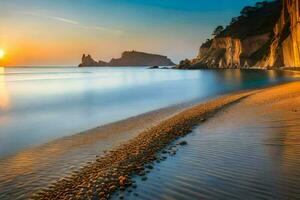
99, 179
35, 168
248, 151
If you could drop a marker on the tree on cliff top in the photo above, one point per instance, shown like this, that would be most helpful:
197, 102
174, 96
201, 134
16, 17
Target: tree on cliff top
254, 20
218, 30
248, 10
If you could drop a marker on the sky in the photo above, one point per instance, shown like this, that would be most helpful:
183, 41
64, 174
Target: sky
58, 32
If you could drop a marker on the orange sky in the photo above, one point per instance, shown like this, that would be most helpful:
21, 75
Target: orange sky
34, 32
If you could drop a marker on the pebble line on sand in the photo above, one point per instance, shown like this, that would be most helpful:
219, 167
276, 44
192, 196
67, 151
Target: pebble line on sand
113, 171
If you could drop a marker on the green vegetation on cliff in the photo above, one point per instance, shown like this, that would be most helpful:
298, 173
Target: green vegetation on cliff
244, 42
254, 20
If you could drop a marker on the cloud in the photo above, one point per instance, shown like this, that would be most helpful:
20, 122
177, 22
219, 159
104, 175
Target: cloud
28, 13
39, 14
103, 29
71, 21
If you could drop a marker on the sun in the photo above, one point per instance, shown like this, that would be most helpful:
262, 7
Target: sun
2, 53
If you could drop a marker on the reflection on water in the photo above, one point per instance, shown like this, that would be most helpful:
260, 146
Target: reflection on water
54, 103
242, 153
235, 76
41, 104
4, 96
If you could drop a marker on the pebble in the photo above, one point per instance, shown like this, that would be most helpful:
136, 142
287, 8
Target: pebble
183, 143
149, 166
112, 188
122, 180
113, 171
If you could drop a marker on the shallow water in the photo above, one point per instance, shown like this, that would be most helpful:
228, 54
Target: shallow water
38, 105
238, 154
35, 168
42, 109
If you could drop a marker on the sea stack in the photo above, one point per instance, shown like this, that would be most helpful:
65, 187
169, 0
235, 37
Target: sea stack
89, 61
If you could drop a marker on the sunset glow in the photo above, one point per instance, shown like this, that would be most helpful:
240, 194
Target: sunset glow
58, 32
149, 99
2, 53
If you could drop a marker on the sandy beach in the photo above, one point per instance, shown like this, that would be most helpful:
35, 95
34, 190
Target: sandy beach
145, 100
113, 171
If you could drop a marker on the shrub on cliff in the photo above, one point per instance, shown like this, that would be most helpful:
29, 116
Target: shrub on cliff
185, 63
218, 30
254, 20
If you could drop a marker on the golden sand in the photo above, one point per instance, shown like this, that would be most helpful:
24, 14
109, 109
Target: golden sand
114, 170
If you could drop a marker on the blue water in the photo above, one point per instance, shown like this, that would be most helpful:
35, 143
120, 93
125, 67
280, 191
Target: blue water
43, 109
38, 105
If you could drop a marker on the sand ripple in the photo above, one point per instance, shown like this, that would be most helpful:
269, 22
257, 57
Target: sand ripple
243, 152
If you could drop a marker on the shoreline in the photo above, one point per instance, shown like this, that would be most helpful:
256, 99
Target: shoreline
289, 69
249, 150
113, 171
58, 158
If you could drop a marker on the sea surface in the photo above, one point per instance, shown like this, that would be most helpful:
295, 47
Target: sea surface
42, 110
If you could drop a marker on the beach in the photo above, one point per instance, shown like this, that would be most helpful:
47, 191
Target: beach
143, 100
61, 131
114, 171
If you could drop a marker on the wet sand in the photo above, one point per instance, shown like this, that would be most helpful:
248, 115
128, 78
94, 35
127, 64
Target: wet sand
26, 172
250, 150
114, 171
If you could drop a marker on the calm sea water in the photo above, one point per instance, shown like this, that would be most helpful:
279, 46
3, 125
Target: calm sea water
38, 105
42, 109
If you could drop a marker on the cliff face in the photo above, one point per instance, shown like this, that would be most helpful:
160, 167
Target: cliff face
285, 47
130, 58
227, 52
268, 37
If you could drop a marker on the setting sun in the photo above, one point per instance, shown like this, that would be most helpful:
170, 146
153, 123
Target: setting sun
2, 53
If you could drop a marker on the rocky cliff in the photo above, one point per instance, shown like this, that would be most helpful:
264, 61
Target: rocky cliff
130, 58
285, 46
264, 36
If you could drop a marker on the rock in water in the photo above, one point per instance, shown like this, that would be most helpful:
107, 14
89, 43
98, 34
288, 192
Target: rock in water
154, 67
183, 143
89, 61
130, 58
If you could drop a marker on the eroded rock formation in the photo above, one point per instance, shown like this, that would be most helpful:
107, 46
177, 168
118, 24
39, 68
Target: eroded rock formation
285, 46
89, 61
268, 36
130, 58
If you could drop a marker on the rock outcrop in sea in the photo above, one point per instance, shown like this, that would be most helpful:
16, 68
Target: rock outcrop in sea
264, 36
89, 61
129, 58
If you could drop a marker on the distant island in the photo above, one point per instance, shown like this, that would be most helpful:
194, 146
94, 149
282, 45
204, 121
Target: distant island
128, 58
